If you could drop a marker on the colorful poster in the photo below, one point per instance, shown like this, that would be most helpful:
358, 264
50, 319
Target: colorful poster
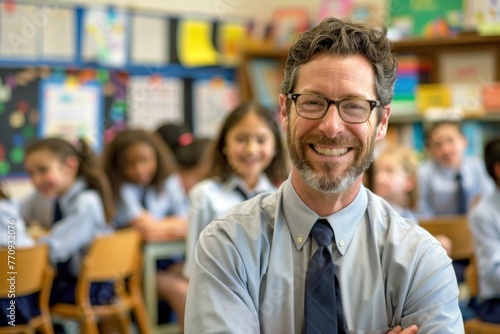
104, 37
72, 111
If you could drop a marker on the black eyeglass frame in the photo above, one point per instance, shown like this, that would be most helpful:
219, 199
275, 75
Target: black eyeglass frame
295, 96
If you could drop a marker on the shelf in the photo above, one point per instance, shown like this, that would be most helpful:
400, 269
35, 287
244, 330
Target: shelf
493, 116
430, 50
268, 49
461, 40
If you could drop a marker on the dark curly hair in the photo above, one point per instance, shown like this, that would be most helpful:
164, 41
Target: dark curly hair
343, 37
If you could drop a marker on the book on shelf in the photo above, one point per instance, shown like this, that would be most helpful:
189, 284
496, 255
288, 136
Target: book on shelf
412, 71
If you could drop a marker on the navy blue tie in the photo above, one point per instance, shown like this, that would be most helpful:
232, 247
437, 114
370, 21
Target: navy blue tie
242, 193
57, 212
461, 200
323, 303
143, 199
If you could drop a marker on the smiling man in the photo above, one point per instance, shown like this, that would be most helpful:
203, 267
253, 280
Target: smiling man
323, 254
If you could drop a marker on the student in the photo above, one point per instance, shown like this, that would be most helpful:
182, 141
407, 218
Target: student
395, 180
257, 268
395, 173
72, 200
139, 167
248, 158
141, 170
450, 181
484, 220
11, 220
13, 233
190, 154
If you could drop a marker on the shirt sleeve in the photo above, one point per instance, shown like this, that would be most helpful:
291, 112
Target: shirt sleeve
12, 225
129, 205
177, 196
486, 231
83, 220
432, 294
200, 215
218, 288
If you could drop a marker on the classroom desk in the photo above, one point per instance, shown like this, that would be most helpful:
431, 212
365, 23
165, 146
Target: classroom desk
152, 252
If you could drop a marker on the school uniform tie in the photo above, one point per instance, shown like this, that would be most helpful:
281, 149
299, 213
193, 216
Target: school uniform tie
323, 302
461, 199
242, 193
57, 212
143, 199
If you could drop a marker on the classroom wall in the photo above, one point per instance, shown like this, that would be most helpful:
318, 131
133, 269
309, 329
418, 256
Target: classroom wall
253, 9
217, 8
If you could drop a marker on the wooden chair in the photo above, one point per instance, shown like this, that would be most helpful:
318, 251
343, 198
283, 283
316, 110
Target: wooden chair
33, 274
476, 325
456, 228
116, 257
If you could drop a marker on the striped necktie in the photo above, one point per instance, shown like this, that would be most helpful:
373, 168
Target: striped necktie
461, 198
57, 212
323, 303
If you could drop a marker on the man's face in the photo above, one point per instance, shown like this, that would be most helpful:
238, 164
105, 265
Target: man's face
329, 153
447, 145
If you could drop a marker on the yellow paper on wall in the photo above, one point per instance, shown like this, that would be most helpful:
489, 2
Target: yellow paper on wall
432, 96
232, 37
195, 43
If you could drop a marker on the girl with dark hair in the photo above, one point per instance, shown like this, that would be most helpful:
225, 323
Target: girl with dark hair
72, 200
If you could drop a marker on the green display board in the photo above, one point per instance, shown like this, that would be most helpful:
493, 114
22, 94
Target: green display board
426, 18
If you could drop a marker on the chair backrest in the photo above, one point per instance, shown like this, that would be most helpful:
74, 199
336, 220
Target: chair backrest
113, 256
28, 266
456, 228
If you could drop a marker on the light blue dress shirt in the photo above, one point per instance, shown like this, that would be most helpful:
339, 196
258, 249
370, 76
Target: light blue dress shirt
484, 221
250, 266
438, 186
83, 220
209, 199
12, 225
169, 201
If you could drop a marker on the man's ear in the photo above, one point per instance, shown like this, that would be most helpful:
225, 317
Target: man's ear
283, 112
384, 123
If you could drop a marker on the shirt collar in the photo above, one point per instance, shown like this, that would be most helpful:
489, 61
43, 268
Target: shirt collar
447, 171
263, 185
79, 185
300, 218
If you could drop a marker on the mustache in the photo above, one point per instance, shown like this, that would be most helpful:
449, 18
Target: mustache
336, 141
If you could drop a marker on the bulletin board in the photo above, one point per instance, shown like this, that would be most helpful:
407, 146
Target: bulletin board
18, 116
19, 108
112, 48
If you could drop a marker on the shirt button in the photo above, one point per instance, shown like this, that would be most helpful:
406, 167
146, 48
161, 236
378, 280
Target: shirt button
341, 243
299, 239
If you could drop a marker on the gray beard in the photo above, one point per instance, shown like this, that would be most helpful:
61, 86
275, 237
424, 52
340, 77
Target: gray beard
322, 181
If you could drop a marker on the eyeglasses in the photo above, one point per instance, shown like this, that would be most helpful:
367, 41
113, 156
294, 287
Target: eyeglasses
354, 111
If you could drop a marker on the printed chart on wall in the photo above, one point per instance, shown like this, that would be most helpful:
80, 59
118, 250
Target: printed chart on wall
212, 100
153, 100
18, 116
105, 39
71, 110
